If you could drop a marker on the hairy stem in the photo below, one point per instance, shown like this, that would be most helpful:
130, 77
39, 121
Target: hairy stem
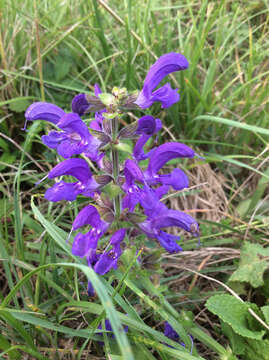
115, 165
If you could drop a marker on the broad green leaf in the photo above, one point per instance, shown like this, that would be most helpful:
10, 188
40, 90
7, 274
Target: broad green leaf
257, 350
237, 342
251, 265
234, 313
265, 310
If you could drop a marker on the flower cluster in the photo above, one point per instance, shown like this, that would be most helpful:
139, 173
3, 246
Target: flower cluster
125, 198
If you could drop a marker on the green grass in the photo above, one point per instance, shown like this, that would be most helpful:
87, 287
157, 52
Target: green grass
223, 114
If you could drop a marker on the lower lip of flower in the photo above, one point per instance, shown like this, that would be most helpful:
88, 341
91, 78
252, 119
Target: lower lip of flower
75, 136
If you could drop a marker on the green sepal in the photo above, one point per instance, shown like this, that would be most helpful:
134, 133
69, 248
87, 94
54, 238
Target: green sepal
110, 116
107, 99
135, 217
112, 190
124, 147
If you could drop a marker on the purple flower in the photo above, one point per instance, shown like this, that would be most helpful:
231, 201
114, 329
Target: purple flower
90, 289
83, 103
147, 127
85, 245
159, 157
159, 217
132, 191
80, 105
78, 168
75, 138
165, 65
108, 327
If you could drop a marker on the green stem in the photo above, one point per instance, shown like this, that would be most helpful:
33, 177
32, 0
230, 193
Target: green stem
115, 166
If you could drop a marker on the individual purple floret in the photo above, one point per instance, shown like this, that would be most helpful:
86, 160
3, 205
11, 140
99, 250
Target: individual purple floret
78, 168
73, 140
147, 127
83, 103
167, 96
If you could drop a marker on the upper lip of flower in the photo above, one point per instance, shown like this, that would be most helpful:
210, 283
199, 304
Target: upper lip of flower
165, 65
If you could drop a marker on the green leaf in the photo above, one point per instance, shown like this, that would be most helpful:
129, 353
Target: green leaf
5, 345
257, 350
237, 124
251, 265
62, 67
265, 310
19, 105
112, 190
237, 342
234, 313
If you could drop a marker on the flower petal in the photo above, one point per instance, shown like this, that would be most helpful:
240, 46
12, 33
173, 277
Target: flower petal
73, 124
177, 179
165, 65
117, 237
44, 111
62, 191
176, 218
87, 216
148, 125
165, 95
82, 243
168, 242
97, 90
166, 152
80, 104
108, 260
53, 139
68, 148
74, 167
132, 172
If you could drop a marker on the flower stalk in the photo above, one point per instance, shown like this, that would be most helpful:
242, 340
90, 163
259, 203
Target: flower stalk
115, 165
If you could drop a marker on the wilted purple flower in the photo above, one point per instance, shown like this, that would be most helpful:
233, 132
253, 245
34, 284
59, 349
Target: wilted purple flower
109, 258
171, 333
165, 65
78, 168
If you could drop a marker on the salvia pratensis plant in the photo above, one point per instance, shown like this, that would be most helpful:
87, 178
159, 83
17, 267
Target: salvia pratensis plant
133, 205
